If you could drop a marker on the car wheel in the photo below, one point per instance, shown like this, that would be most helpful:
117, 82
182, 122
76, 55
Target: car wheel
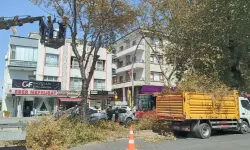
129, 121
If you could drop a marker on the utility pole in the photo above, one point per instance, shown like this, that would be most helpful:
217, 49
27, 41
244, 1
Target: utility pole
132, 72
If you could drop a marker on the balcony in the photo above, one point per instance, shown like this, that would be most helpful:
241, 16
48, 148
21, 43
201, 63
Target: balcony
120, 53
127, 83
22, 64
128, 66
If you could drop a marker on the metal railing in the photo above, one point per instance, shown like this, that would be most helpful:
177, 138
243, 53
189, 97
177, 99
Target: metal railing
128, 63
22, 63
127, 80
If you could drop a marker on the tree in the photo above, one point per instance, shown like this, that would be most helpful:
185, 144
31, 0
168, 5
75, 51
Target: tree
97, 23
210, 36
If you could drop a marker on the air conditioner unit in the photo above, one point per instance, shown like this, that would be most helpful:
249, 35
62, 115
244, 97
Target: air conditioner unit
142, 61
34, 72
142, 79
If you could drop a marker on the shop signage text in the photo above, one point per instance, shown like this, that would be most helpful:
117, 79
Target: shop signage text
41, 85
73, 94
34, 92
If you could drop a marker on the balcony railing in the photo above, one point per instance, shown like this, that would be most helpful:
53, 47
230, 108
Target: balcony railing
128, 63
22, 63
128, 80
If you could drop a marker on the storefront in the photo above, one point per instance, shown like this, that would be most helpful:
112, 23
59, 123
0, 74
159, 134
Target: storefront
101, 99
27, 98
28, 102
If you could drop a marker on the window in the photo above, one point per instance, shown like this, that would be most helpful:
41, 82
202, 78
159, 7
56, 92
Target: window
75, 84
50, 78
128, 77
152, 76
121, 48
114, 79
100, 65
51, 60
152, 59
128, 60
161, 77
121, 79
134, 43
156, 76
23, 53
134, 76
113, 71
245, 104
99, 84
120, 64
74, 63
32, 77
160, 59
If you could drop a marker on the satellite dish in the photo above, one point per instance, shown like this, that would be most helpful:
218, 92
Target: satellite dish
14, 30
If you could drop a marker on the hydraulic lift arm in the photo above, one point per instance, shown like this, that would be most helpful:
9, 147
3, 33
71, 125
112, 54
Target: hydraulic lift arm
17, 21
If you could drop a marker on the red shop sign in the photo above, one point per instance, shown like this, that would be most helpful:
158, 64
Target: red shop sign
35, 92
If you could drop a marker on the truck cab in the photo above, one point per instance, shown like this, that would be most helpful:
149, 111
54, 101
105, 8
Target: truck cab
244, 108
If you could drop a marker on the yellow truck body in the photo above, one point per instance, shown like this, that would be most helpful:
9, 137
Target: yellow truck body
192, 106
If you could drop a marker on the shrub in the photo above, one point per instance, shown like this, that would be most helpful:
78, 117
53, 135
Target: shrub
50, 134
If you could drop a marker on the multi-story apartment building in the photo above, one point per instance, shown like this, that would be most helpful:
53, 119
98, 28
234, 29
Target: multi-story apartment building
147, 74
42, 78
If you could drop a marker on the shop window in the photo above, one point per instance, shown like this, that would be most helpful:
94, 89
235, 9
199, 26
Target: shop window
50, 78
43, 107
51, 60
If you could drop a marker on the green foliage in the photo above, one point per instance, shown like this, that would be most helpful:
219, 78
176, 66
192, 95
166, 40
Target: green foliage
208, 36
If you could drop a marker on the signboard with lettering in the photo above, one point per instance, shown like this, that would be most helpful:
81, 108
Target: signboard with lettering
33, 92
41, 85
74, 94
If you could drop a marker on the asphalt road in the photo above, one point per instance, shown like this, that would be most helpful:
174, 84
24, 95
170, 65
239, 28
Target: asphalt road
224, 141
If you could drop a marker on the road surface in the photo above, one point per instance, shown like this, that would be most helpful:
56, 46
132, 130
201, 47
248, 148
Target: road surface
217, 142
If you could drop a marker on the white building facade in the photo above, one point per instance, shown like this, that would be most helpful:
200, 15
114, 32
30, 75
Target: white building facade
147, 74
42, 79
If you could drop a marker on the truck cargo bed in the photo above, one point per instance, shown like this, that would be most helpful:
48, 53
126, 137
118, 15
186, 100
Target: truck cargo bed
197, 106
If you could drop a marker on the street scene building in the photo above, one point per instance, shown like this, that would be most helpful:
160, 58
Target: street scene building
42, 79
133, 53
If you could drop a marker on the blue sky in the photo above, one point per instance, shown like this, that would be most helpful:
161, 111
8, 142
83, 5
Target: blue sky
9, 8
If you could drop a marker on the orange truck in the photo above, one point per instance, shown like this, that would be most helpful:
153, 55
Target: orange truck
200, 113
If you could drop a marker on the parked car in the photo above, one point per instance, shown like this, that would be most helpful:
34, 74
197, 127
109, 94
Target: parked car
125, 114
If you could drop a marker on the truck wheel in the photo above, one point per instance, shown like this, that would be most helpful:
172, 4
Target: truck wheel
203, 131
244, 127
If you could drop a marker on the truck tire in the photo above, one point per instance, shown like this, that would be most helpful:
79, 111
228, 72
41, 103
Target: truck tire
244, 127
203, 131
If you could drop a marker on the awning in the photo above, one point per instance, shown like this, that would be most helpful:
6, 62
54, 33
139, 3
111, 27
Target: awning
68, 99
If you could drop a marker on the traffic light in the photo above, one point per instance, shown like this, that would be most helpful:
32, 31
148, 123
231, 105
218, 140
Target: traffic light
116, 96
